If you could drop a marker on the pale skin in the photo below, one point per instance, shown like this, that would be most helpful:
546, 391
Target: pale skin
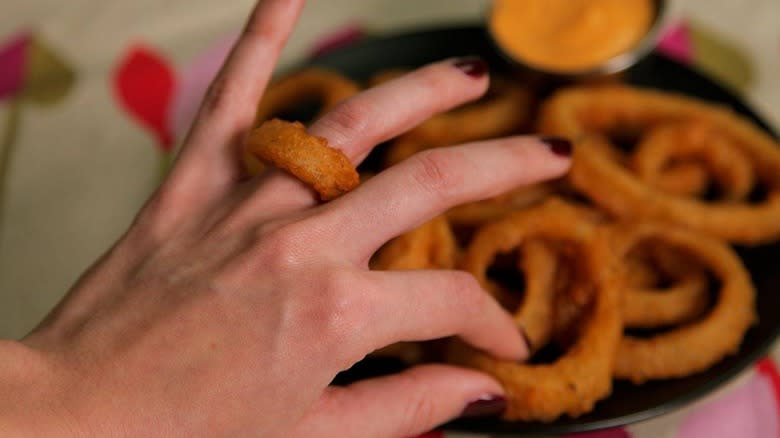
231, 303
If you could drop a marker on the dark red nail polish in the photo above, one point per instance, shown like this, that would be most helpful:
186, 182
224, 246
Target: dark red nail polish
558, 145
473, 66
486, 406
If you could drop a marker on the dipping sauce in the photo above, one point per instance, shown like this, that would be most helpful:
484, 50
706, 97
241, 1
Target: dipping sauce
569, 35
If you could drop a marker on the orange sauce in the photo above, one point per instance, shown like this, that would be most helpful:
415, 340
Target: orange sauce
569, 35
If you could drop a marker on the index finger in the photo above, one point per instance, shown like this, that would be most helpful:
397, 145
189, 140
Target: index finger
208, 161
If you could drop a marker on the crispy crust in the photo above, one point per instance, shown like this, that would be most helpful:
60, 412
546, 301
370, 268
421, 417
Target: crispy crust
696, 346
663, 287
695, 140
573, 383
579, 113
429, 246
311, 84
287, 146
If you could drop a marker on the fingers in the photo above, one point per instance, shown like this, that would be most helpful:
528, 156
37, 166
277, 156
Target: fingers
429, 304
402, 405
412, 192
372, 117
390, 109
209, 159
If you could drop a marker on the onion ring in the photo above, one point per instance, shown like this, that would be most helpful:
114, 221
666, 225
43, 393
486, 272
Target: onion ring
574, 382
696, 141
429, 246
696, 346
324, 86
578, 113
649, 304
316, 85
287, 146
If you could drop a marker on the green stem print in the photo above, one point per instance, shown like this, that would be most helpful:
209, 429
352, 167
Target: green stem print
37, 76
7, 144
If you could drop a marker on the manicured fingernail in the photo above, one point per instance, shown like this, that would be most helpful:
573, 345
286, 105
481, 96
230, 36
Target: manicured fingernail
489, 405
558, 145
473, 66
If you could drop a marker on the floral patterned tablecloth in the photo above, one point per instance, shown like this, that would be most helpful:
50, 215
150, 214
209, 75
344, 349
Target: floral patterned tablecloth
95, 94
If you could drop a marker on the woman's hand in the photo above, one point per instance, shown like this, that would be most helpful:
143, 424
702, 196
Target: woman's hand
230, 304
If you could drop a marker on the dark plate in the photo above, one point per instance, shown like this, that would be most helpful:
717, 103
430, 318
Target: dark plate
628, 403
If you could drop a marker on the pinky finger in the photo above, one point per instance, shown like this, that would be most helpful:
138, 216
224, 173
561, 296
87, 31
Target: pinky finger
402, 405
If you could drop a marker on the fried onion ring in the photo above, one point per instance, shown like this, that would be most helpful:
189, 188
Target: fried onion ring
322, 86
700, 344
429, 246
648, 303
288, 146
574, 382
693, 141
579, 113
312, 85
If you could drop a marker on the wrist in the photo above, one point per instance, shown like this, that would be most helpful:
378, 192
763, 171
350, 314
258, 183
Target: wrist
30, 404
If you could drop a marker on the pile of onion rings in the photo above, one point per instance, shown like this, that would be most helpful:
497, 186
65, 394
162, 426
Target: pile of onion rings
623, 269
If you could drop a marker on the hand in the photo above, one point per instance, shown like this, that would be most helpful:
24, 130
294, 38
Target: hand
230, 304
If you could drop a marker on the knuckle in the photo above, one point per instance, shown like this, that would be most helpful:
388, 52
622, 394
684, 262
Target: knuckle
281, 246
219, 97
161, 215
225, 102
347, 119
436, 171
339, 312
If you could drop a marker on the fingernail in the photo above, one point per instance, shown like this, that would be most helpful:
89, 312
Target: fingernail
558, 145
473, 66
489, 405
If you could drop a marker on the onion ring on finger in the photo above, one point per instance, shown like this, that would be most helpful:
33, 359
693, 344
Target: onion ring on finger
289, 147
309, 86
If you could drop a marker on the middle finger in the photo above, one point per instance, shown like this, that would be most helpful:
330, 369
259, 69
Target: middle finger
374, 116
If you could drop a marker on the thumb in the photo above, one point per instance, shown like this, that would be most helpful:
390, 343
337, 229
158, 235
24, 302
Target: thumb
409, 403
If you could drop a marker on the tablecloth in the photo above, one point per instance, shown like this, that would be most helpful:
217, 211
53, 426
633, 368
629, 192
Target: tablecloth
95, 94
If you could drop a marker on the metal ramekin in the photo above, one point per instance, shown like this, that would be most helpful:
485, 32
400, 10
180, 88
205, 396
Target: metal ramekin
612, 66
